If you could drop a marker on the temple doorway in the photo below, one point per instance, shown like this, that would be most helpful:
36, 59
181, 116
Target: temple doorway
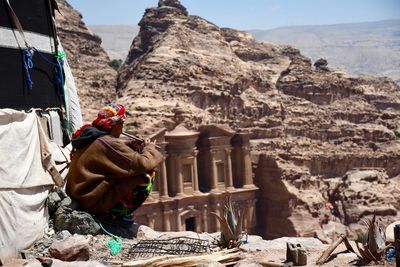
190, 224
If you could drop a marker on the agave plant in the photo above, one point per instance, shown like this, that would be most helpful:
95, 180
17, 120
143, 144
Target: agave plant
373, 243
231, 225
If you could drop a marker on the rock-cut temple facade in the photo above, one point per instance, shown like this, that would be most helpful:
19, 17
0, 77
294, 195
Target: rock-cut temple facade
201, 170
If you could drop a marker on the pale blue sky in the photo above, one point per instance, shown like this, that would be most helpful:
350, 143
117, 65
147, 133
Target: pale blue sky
247, 14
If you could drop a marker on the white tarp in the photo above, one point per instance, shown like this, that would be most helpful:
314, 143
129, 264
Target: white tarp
74, 108
20, 160
24, 181
23, 218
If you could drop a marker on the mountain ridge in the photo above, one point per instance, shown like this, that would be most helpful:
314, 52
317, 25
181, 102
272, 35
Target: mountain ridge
331, 25
376, 57
371, 48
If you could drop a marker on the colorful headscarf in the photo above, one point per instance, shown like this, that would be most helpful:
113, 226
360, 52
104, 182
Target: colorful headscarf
109, 116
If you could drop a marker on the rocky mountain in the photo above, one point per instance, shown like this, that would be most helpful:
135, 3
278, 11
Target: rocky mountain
116, 39
312, 128
359, 48
318, 135
95, 80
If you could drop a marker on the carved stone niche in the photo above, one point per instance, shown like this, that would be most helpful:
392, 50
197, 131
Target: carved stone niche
214, 159
181, 163
241, 161
190, 220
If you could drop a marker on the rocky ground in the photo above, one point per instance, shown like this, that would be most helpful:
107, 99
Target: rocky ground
93, 251
75, 238
318, 135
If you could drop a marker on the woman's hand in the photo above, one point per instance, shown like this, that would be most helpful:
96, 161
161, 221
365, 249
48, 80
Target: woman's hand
139, 145
136, 145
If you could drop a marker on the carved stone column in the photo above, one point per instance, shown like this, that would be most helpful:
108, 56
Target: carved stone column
195, 174
151, 219
205, 218
251, 214
215, 226
180, 142
179, 221
167, 220
179, 183
228, 169
198, 223
163, 180
247, 170
214, 174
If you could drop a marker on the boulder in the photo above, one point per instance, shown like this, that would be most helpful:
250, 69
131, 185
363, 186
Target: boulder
75, 221
74, 248
321, 64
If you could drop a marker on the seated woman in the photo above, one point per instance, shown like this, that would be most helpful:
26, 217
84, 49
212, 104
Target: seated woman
110, 177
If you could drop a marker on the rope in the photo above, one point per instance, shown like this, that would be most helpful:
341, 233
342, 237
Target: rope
17, 23
60, 80
115, 244
28, 64
27, 53
59, 66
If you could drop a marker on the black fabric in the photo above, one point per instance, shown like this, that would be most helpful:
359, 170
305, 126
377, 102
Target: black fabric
14, 91
88, 135
35, 16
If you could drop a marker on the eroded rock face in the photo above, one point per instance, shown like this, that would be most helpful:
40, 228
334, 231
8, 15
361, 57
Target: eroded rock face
215, 74
95, 80
362, 193
309, 125
294, 202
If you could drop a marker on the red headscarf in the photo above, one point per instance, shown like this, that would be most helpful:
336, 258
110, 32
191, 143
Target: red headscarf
109, 116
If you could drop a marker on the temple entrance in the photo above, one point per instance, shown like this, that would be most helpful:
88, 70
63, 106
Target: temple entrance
190, 224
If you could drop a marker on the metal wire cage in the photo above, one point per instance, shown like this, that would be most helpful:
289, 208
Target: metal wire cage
174, 246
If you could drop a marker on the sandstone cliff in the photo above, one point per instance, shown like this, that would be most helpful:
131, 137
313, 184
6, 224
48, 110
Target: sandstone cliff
309, 125
94, 79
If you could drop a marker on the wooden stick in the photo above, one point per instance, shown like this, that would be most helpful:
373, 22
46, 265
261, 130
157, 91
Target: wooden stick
147, 262
275, 264
133, 137
177, 260
325, 255
193, 261
137, 138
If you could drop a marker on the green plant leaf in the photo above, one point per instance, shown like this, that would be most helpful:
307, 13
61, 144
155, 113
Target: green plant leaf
226, 231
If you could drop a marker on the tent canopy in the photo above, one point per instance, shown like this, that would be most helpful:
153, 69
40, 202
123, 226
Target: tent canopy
31, 142
37, 22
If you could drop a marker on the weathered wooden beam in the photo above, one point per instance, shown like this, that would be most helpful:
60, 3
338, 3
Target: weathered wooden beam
325, 255
224, 256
